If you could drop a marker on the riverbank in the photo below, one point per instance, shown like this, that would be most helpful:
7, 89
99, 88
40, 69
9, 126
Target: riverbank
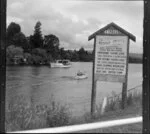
48, 64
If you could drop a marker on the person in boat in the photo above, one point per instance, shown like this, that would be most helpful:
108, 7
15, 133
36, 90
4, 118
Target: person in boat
80, 73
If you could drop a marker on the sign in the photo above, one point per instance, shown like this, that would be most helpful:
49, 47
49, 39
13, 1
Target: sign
112, 31
111, 50
111, 58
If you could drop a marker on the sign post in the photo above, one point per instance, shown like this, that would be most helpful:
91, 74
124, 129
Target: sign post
111, 52
124, 85
93, 95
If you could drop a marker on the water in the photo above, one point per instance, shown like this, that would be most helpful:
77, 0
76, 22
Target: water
39, 84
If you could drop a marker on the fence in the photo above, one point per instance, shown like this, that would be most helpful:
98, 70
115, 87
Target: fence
133, 92
137, 90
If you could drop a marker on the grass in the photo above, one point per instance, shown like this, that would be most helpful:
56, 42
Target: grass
114, 111
132, 128
22, 116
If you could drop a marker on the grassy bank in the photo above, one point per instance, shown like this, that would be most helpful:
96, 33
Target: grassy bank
22, 116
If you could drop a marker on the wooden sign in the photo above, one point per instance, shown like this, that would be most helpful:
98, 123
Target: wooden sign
111, 53
111, 58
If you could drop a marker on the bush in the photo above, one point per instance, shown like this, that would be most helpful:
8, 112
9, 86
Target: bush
129, 99
111, 106
57, 115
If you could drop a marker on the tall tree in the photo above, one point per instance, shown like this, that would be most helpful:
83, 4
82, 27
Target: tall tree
37, 39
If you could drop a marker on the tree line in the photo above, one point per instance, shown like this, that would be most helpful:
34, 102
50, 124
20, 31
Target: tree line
37, 48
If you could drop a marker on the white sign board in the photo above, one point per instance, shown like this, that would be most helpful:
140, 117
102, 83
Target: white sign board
111, 58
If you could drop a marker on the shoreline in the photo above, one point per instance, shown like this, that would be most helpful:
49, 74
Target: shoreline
49, 65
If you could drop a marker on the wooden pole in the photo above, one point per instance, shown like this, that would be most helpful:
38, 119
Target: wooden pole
124, 85
2, 63
93, 95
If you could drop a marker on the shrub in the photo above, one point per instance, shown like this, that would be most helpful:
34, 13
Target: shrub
129, 99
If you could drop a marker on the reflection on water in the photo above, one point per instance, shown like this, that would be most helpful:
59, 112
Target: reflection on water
38, 84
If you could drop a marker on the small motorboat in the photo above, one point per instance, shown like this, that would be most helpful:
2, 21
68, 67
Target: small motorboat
80, 76
60, 64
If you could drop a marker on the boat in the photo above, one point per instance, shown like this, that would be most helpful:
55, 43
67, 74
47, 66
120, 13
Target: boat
80, 76
60, 64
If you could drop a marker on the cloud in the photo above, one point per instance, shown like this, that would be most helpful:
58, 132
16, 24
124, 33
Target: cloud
74, 21
13, 19
16, 5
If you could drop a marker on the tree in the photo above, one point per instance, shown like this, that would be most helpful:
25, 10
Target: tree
20, 40
62, 53
75, 56
16, 37
81, 53
12, 52
12, 29
41, 56
51, 43
37, 39
40, 52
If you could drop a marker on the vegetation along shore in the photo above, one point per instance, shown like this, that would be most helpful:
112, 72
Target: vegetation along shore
38, 49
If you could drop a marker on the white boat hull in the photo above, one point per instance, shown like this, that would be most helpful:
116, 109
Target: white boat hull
56, 65
81, 77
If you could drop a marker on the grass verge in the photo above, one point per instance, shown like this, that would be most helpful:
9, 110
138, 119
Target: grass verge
22, 116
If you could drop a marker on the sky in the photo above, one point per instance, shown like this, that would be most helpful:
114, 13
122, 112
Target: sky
73, 21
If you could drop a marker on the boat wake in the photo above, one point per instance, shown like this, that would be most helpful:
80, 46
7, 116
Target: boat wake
68, 77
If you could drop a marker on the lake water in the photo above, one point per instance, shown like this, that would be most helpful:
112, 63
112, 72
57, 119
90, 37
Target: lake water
39, 84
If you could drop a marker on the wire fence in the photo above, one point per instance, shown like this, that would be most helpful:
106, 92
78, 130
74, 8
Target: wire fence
135, 91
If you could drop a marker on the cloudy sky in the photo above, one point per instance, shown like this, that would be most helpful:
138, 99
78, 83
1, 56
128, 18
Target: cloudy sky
74, 20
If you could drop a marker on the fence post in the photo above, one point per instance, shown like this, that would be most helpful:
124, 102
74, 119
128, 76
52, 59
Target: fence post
104, 104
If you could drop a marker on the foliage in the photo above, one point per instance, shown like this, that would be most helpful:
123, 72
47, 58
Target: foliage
37, 39
16, 37
43, 50
51, 44
13, 51
40, 56
28, 58
75, 56
58, 115
84, 55
40, 52
135, 60
20, 40
20, 115
12, 29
